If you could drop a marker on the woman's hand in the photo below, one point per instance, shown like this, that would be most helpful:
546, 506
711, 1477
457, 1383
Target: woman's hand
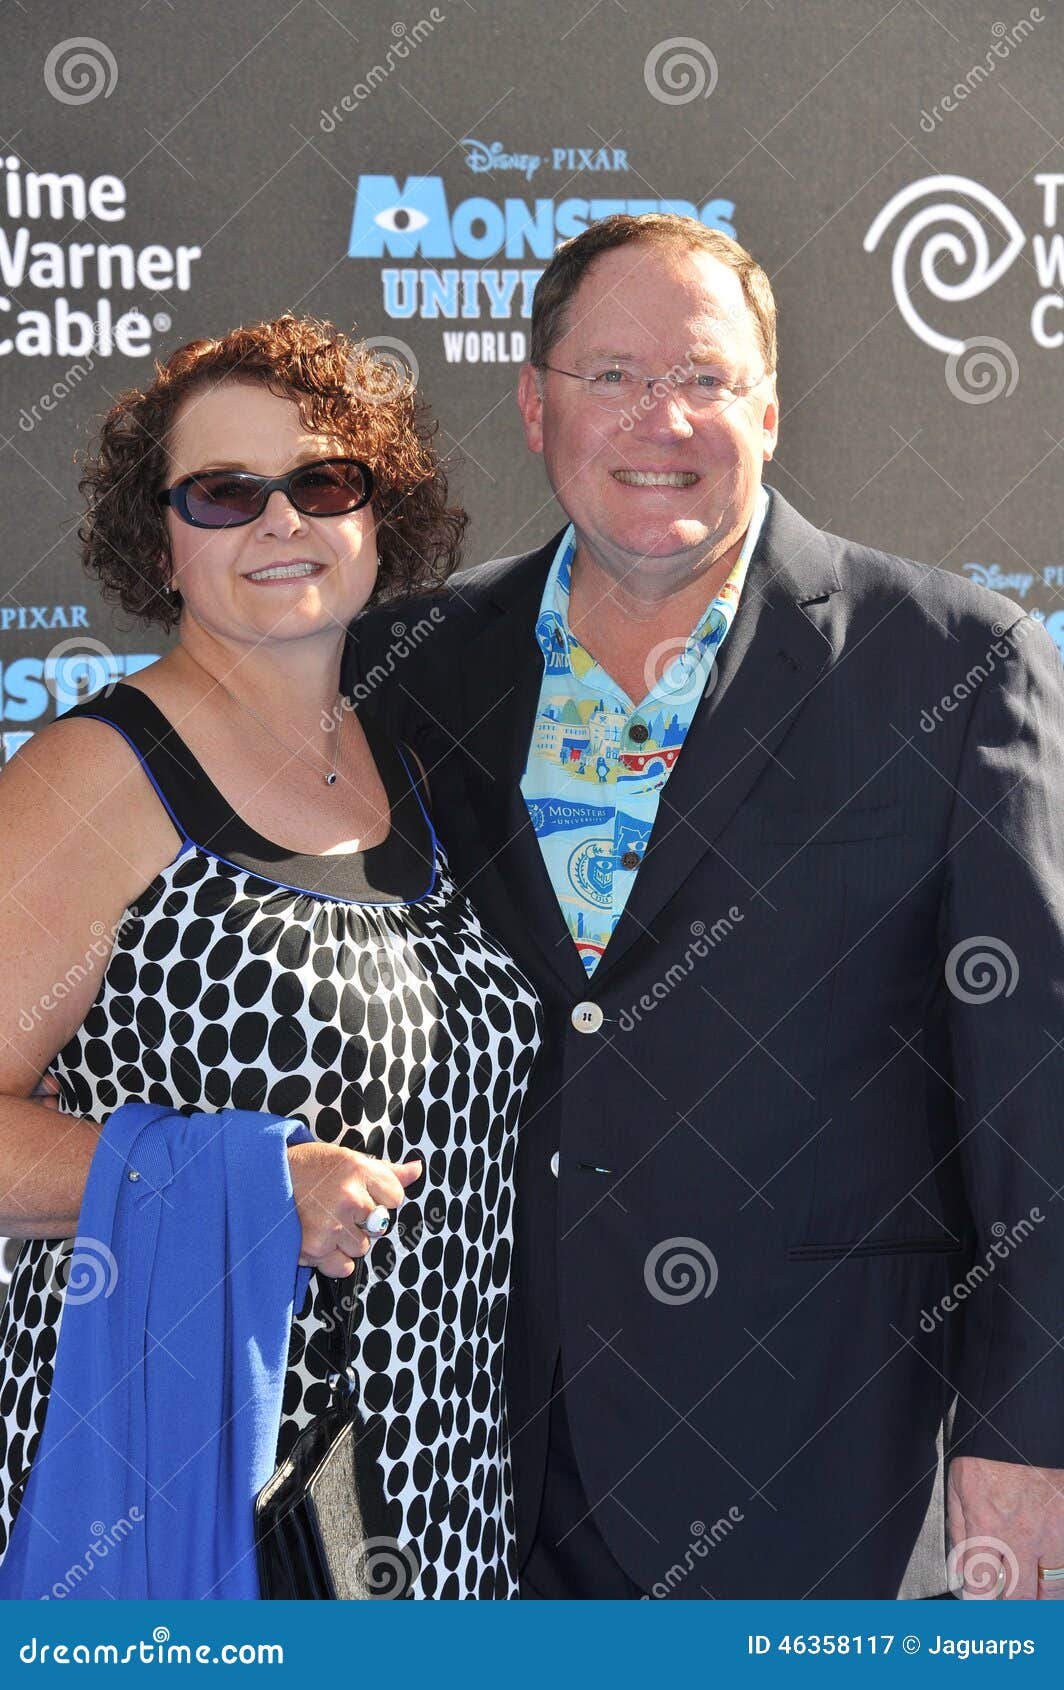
335, 1191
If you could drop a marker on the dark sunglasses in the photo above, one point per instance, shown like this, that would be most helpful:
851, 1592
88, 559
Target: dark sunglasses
226, 498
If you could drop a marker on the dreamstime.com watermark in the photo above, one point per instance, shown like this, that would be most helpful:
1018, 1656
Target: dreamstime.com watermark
78, 972
985, 368
383, 369
406, 36
1006, 641
702, 942
61, 388
159, 1651
405, 639
93, 1272
981, 969
664, 386
1005, 39
982, 1569
703, 1542
1006, 1239
104, 1539
679, 70
80, 69
680, 1270
388, 1569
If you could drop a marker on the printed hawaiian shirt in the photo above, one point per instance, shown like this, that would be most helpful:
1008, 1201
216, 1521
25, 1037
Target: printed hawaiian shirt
597, 762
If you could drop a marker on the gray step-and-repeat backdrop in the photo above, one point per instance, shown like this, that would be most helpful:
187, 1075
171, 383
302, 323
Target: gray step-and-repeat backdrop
170, 169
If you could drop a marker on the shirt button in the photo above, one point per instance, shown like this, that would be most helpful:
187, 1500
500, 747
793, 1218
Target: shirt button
587, 1017
631, 859
554, 1164
637, 733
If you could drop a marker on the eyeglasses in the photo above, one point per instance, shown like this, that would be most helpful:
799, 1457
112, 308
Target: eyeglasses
227, 498
616, 389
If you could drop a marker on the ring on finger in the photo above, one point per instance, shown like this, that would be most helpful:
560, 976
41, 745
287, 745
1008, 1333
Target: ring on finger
377, 1221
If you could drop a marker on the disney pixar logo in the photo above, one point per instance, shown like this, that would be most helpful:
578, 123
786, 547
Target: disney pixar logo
484, 158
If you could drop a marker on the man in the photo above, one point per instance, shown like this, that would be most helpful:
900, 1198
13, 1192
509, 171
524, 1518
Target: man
775, 823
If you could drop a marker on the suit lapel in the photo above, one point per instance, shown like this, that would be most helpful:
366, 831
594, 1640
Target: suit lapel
498, 691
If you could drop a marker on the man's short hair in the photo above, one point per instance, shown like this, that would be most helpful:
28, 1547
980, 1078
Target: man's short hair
566, 270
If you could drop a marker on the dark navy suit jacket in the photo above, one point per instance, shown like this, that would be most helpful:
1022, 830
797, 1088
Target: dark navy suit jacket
829, 1077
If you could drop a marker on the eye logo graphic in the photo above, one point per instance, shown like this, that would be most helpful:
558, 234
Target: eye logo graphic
964, 246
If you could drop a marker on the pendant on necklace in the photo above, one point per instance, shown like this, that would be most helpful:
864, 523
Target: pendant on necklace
330, 780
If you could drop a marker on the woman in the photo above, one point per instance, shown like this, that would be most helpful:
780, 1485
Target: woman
279, 929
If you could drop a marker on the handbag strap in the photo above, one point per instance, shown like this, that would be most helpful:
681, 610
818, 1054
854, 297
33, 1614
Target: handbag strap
343, 1381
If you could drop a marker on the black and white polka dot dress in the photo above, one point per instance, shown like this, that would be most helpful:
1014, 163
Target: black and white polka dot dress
360, 994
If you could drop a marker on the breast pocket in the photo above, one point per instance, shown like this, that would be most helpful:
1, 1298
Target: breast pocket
840, 825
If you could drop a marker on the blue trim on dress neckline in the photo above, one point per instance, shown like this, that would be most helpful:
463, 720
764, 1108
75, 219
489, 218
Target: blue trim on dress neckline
187, 843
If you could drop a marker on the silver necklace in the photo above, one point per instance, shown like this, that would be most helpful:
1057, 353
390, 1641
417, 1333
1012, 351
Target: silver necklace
330, 778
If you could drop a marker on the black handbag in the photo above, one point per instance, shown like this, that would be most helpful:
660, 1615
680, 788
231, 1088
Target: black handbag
321, 1519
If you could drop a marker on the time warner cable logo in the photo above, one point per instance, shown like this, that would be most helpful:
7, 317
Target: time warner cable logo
944, 245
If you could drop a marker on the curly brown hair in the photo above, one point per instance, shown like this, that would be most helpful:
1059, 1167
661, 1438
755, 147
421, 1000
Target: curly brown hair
342, 386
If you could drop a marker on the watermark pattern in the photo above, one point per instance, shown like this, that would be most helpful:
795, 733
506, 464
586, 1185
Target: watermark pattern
406, 637
386, 1568
79, 70
1005, 640
702, 942
31, 415
703, 1542
104, 1539
80, 667
78, 972
985, 1568
93, 1272
983, 370
680, 70
662, 387
677, 670
405, 37
1005, 39
389, 371
680, 1270
980, 969
1006, 1240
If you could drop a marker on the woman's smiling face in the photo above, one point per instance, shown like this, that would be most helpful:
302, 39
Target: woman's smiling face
227, 576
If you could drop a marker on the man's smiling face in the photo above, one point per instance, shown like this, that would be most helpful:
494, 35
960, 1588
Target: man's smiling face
666, 480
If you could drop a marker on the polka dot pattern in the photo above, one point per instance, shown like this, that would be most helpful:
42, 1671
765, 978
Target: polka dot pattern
398, 1029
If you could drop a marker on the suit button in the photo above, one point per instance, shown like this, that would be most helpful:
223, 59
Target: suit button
587, 1017
631, 859
637, 733
554, 1164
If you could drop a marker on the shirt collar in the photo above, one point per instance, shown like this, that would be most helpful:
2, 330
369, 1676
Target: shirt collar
562, 651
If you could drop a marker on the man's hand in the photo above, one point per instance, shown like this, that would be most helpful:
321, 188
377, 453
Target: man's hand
1006, 1520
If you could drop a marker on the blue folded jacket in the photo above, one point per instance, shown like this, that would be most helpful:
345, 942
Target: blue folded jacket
165, 1402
